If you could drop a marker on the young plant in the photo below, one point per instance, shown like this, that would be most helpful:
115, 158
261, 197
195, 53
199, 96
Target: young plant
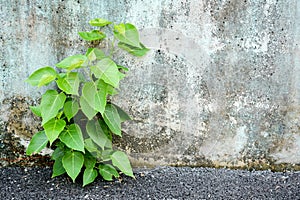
78, 119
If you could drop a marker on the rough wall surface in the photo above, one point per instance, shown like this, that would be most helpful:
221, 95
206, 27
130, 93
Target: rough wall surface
220, 86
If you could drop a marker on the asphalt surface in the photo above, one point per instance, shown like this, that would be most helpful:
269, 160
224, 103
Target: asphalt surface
158, 183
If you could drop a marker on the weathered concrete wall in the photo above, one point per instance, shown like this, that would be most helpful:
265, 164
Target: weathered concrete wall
220, 87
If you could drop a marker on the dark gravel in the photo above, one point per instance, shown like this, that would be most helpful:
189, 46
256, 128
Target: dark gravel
159, 183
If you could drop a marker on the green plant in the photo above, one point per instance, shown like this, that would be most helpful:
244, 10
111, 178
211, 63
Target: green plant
78, 118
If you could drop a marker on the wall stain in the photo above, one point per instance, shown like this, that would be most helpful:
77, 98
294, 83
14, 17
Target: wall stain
21, 124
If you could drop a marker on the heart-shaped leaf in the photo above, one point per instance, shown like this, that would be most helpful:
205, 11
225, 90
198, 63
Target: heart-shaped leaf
72, 62
120, 160
107, 70
112, 119
71, 108
92, 35
96, 99
42, 76
72, 137
73, 162
37, 143
70, 83
89, 176
51, 103
128, 34
53, 128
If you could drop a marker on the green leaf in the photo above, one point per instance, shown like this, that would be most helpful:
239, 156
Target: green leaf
72, 137
128, 34
89, 175
106, 88
72, 62
89, 161
37, 143
105, 129
92, 35
120, 29
36, 110
106, 155
99, 22
90, 146
53, 128
107, 171
96, 99
73, 162
120, 160
42, 76
107, 70
100, 100
136, 51
112, 91
70, 83
95, 54
58, 168
71, 108
112, 119
59, 152
123, 115
87, 109
51, 103
96, 133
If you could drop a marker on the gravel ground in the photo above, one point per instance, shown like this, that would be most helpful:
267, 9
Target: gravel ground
158, 183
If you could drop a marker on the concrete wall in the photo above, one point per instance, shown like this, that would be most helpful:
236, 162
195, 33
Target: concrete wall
220, 86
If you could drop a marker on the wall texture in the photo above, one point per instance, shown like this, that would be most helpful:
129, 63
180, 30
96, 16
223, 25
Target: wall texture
220, 86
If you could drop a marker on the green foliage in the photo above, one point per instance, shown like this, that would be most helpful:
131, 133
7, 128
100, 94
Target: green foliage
128, 37
51, 103
72, 137
107, 70
42, 76
69, 83
92, 35
112, 119
107, 171
73, 162
120, 160
89, 175
72, 62
78, 119
53, 128
37, 143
